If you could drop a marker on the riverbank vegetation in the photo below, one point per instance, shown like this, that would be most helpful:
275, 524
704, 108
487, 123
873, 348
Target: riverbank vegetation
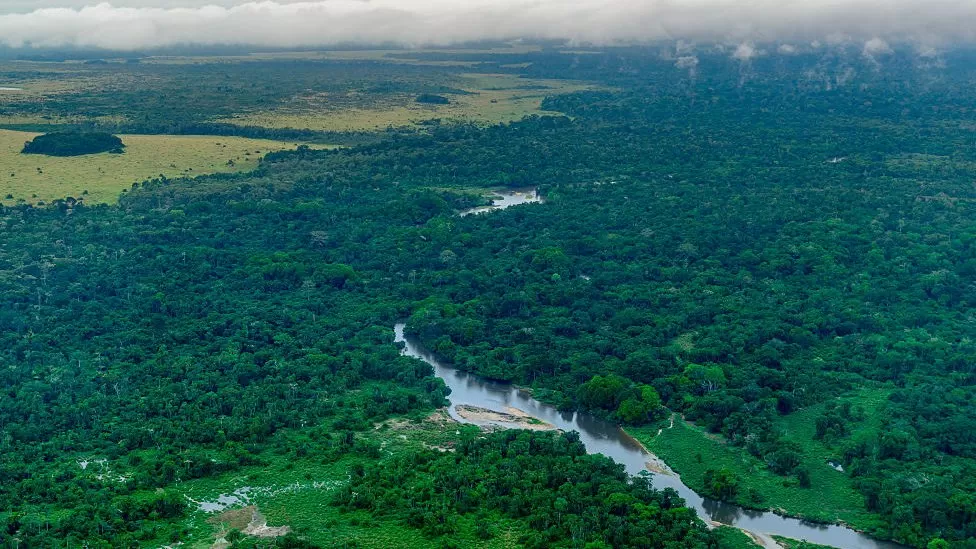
785, 266
820, 491
733, 538
788, 543
712, 467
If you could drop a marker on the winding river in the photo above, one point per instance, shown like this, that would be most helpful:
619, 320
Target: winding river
605, 438
602, 437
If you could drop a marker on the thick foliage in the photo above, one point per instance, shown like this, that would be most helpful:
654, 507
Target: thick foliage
547, 481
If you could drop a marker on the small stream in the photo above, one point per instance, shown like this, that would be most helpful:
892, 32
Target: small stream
602, 437
506, 199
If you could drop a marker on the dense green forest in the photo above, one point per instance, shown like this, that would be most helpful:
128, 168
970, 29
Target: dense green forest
729, 248
188, 340
569, 499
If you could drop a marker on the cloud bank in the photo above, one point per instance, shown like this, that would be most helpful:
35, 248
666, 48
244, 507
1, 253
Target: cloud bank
140, 24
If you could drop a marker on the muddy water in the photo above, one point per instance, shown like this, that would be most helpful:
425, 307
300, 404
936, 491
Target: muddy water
605, 438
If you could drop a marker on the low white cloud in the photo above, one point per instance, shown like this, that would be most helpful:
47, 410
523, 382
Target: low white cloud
683, 47
133, 24
929, 58
876, 46
686, 62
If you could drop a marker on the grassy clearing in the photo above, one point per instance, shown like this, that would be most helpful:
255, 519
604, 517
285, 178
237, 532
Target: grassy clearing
44, 83
733, 538
262, 486
21, 121
327, 526
46, 79
36, 178
297, 494
691, 451
492, 98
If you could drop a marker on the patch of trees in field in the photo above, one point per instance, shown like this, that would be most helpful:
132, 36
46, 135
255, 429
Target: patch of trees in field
74, 144
432, 99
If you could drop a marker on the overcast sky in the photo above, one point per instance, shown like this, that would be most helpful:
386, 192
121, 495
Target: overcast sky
133, 24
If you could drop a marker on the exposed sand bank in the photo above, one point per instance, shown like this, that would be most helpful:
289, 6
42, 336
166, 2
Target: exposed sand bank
511, 418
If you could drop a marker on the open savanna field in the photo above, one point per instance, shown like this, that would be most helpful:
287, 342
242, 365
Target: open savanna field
318, 91
299, 496
486, 99
99, 178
